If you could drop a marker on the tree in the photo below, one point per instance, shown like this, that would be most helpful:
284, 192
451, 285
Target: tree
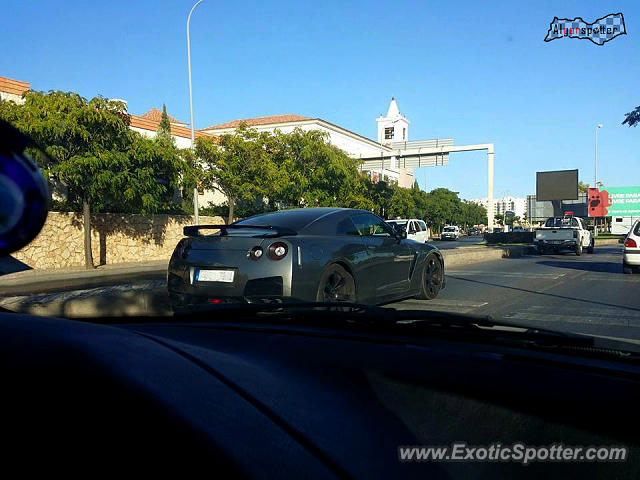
402, 204
238, 165
443, 207
380, 194
583, 187
632, 118
316, 173
93, 153
473, 214
84, 141
164, 128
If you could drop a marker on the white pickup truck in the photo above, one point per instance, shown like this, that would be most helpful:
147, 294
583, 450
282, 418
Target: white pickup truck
564, 233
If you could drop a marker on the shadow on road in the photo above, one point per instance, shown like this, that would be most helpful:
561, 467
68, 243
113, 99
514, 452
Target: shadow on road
603, 267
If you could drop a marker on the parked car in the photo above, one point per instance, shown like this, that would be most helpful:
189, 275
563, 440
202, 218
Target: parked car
416, 229
450, 232
312, 254
564, 233
631, 252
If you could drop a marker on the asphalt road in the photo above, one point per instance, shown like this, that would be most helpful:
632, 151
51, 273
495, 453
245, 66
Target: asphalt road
586, 294
461, 242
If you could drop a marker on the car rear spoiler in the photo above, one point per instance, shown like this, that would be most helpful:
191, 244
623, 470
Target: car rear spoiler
194, 230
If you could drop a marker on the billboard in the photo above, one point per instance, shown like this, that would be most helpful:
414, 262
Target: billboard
614, 202
557, 185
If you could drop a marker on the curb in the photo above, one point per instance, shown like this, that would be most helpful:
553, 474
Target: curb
462, 256
24, 283
607, 241
133, 301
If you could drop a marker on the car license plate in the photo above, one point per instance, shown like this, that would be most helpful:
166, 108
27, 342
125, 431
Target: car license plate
215, 276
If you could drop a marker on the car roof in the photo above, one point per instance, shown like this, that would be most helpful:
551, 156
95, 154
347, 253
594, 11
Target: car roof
297, 218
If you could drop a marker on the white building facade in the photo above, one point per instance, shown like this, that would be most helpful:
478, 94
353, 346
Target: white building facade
500, 205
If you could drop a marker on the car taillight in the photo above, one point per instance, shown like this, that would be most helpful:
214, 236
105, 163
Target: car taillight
255, 253
631, 243
278, 250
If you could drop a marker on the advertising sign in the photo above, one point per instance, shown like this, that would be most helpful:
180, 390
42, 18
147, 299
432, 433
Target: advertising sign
614, 202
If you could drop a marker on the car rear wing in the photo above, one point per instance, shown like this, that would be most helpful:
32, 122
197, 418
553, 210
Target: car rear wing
194, 230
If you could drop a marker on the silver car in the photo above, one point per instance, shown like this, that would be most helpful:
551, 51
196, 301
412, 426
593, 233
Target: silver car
313, 254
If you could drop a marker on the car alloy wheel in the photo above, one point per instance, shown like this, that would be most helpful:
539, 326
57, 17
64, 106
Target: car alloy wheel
432, 278
336, 285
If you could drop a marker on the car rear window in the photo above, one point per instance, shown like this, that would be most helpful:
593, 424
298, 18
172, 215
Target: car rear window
636, 230
292, 219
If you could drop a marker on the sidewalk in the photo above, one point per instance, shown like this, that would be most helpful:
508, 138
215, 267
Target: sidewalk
46, 281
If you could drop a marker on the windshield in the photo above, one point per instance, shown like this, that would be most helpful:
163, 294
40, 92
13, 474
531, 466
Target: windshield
319, 131
558, 222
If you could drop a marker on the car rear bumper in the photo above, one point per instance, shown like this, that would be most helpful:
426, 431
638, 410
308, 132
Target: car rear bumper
252, 279
556, 243
631, 256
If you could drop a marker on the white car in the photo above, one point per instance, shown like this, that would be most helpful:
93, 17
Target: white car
416, 229
631, 252
450, 232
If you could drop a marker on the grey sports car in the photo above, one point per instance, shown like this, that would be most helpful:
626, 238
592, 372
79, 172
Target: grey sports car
310, 254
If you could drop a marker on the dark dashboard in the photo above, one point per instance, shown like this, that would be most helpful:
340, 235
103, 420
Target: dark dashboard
287, 401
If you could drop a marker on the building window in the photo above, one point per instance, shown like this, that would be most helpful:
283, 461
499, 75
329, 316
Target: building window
404, 133
388, 133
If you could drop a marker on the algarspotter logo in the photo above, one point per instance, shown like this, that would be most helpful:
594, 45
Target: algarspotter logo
599, 32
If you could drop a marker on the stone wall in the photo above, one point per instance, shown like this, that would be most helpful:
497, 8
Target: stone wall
115, 238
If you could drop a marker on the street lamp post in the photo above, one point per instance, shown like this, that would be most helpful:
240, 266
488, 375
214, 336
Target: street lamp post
193, 135
595, 171
595, 163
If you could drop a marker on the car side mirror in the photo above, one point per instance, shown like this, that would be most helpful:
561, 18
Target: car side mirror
24, 195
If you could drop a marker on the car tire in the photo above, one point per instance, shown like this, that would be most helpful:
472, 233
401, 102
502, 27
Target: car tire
626, 268
432, 278
590, 247
541, 251
579, 249
336, 285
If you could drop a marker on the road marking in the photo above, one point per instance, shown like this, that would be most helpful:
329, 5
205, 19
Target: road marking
553, 276
618, 278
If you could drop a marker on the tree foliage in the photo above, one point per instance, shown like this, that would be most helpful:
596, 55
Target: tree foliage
164, 128
632, 118
583, 187
91, 152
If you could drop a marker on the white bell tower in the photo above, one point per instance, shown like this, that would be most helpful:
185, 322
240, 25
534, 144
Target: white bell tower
394, 127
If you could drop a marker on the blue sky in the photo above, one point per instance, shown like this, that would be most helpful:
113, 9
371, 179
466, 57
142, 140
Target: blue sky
479, 72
